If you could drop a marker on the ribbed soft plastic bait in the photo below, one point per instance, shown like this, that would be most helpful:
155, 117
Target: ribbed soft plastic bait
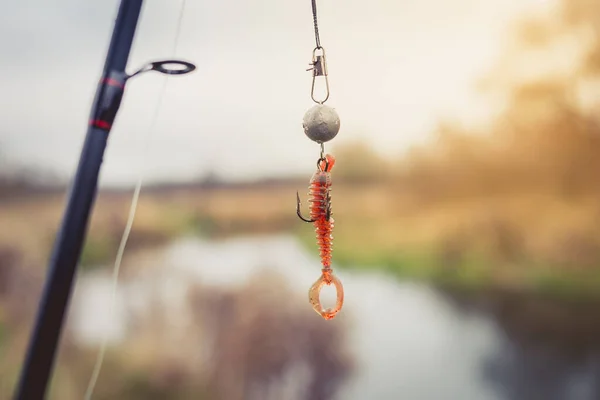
322, 218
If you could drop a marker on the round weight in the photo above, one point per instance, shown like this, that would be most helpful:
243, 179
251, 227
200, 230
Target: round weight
321, 123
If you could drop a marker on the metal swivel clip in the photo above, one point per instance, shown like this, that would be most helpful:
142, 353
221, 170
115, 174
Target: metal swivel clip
319, 68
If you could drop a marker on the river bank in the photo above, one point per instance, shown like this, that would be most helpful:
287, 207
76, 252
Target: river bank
525, 244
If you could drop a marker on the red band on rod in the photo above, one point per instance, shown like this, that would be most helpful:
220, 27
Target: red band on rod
113, 82
98, 123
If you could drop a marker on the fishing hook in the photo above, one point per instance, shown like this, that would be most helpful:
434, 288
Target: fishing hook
299, 212
328, 213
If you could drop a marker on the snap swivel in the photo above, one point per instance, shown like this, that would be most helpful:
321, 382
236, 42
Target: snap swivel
319, 68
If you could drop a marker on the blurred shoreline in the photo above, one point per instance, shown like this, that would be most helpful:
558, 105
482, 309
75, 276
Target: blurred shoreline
476, 246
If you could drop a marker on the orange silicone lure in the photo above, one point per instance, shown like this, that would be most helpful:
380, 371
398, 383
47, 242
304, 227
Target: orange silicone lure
321, 217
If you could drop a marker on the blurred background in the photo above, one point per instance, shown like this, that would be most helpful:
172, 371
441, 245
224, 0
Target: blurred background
465, 193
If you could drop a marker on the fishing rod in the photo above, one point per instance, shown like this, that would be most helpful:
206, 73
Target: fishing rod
41, 351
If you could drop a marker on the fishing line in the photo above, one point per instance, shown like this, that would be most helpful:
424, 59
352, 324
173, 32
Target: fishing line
132, 210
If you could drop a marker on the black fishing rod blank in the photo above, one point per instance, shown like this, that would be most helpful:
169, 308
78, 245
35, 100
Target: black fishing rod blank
46, 333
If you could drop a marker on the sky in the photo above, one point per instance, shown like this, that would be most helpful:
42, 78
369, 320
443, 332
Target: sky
396, 67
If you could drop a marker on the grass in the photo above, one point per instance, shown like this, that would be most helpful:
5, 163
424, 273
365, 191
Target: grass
473, 244
102, 243
97, 250
3, 337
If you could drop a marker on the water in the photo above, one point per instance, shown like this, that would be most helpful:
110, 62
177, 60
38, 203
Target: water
408, 340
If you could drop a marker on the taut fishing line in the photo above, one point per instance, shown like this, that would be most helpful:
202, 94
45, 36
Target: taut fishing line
132, 209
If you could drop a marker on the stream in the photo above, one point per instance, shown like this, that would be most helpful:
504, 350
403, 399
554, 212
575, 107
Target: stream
409, 341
